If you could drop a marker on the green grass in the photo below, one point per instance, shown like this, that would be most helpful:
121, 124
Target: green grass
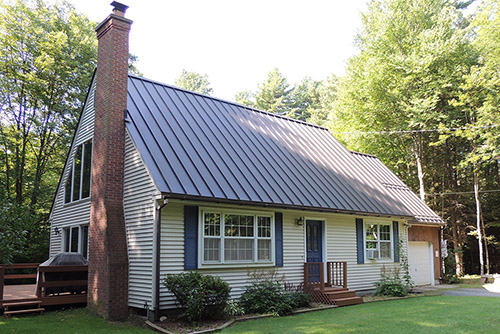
435, 314
77, 321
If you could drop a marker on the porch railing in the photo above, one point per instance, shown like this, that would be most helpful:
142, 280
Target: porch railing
4, 275
336, 274
314, 275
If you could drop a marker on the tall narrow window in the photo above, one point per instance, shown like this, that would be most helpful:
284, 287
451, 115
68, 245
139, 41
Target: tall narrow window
79, 178
77, 173
87, 160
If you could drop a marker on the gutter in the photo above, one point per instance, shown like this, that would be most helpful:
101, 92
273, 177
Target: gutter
159, 204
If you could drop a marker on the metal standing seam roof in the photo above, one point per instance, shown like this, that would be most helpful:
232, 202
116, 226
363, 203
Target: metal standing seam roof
399, 190
200, 147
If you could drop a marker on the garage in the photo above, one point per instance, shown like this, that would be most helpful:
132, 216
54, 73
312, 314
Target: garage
420, 261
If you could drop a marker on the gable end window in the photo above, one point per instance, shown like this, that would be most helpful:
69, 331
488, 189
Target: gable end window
236, 238
78, 182
378, 241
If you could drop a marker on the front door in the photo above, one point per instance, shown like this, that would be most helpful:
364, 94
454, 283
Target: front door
314, 240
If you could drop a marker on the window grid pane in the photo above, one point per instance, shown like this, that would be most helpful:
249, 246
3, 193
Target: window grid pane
211, 251
264, 227
77, 173
264, 249
212, 224
238, 226
238, 249
87, 159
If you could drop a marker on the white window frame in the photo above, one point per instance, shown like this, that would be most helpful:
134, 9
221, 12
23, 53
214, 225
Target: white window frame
365, 241
71, 174
69, 229
235, 264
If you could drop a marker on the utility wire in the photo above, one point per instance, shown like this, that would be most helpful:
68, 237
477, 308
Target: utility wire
463, 192
417, 131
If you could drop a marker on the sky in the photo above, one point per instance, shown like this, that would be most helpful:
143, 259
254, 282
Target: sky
235, 42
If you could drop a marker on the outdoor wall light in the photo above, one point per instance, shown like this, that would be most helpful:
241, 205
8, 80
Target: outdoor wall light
57, 231
300, 221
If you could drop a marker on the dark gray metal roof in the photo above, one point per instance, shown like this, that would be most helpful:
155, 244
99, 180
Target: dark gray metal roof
397, 189
200, 147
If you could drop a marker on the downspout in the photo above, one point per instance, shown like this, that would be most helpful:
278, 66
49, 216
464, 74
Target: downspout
159, 204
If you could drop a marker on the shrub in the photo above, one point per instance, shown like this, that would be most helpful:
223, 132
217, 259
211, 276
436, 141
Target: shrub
234, 308
201, 296
266, 297
268, 294
391, 284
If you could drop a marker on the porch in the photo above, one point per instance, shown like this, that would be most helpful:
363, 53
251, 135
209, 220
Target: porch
331, 289
40, 286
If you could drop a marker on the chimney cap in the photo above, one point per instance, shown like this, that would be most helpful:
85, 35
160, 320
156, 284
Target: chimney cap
119, 6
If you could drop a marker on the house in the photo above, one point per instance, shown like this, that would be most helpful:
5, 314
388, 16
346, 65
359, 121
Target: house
162, 180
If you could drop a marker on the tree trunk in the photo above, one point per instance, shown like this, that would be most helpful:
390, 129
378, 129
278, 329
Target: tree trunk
478, 221
418, 152
487, 256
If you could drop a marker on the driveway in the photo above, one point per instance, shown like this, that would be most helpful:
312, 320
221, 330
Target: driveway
478, 292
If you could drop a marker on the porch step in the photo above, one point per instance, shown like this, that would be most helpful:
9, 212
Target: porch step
348, 301
334, 289
334, 295
31, 310
20, 307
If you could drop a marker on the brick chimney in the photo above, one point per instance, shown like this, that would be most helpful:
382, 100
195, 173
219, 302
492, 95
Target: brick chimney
108, 259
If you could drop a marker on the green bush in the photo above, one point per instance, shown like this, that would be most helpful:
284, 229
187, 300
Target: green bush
269, 295
201, 296
391, 284
266, 297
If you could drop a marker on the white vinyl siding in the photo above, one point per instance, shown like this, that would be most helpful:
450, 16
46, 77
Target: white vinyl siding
77, 213
340, 237
138, 207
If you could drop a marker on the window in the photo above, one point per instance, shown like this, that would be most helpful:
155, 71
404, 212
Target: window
76, 239
236, 238
78, 181
378, 241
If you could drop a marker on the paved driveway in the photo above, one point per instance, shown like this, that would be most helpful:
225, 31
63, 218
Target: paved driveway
479, 292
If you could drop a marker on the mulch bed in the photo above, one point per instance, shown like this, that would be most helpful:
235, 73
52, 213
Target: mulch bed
175, 325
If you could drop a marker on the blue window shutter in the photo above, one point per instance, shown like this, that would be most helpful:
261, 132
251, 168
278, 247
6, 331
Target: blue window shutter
395, 232
190, 237
360, 240
278, 230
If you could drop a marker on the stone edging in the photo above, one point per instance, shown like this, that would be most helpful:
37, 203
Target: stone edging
232, 321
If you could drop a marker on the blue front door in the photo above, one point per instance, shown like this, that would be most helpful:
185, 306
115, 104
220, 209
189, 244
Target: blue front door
314, 240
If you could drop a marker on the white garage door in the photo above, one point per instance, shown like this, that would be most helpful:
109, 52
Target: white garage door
420, 262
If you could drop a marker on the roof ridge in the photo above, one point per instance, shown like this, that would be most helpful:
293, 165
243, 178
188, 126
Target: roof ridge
227, 101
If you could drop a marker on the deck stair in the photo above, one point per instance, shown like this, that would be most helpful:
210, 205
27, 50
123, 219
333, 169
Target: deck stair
334, 291
13, 307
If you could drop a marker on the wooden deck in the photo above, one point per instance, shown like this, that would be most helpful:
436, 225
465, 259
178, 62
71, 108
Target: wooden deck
55, 285
25, 291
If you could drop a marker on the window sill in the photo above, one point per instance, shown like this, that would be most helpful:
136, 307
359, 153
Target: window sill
80, 201
237, 265
368, 261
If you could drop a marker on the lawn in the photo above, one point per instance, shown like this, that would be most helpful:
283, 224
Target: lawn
77, 321
435, 314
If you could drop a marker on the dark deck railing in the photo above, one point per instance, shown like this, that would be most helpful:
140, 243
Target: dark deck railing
55, 285
336, 275
4, 275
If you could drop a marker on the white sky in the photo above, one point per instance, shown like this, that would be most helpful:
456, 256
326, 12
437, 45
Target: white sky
236, 43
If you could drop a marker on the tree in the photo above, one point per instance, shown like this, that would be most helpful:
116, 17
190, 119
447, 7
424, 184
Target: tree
47, 59
414, 56
305, 99
194, 82
274, 94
